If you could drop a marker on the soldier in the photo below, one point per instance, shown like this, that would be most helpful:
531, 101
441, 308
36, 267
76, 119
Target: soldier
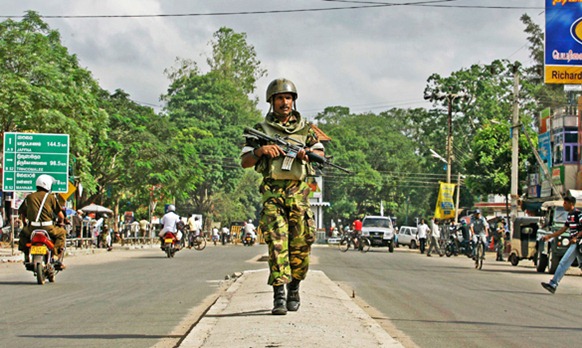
29, 211
286, 220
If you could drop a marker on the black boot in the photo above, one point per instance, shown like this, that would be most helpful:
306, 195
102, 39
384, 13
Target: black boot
279, 303
293, 301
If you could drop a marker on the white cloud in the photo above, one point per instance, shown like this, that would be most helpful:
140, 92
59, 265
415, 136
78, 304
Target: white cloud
365, 59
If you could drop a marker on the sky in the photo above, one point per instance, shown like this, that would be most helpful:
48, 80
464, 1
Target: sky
338, 53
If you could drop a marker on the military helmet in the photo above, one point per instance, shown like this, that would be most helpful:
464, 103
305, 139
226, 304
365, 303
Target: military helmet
45, 181
279, 86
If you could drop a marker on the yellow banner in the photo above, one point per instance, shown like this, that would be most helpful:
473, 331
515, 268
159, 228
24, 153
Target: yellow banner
445, 207
570, 75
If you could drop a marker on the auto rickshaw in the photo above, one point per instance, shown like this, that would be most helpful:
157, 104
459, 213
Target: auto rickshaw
524, 239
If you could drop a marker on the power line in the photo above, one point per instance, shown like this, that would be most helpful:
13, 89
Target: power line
366, 5
430, 4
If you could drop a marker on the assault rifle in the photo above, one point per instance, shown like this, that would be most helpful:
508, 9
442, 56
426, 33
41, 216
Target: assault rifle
291, 149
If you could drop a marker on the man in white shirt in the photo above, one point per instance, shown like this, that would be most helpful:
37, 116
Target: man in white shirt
169, 222
250, 228
422, 229
435, 235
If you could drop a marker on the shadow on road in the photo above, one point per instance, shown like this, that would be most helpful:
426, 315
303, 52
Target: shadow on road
501, 325
103, 336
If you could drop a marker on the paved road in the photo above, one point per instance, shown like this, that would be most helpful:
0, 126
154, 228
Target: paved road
142, 299
118, 299
445, 302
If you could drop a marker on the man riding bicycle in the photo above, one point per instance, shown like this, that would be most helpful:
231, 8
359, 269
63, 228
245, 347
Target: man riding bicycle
357, 232
479, 226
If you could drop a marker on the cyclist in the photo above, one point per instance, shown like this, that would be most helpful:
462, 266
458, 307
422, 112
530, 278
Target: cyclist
357, 232
479, 226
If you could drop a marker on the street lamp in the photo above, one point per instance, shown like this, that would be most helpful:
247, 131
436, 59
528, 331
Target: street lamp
450, 97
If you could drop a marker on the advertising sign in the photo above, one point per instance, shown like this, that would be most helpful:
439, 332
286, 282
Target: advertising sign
545, 149
445, 208
28, 155
563, 49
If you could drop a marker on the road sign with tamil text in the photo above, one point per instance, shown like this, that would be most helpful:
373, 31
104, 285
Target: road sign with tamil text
28, 155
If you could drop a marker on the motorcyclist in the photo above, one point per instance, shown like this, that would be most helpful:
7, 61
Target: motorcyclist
169, 222
249, 228
38, 210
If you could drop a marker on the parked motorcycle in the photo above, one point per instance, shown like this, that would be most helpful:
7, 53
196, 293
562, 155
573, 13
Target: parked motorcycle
248, 240
171, 244
455, 245
42, 264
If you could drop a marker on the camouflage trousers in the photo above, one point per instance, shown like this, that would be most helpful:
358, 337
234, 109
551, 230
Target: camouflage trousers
288, 226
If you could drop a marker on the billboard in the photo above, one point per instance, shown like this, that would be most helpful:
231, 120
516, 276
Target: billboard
563, 46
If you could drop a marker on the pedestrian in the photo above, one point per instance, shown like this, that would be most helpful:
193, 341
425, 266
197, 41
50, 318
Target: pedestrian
498, 235
77, 223
422, 230
143, 228
574, 227
435, 236
286, 221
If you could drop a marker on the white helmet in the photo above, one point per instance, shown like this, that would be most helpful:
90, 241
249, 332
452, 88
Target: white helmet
171, 207
250, 221
45, 181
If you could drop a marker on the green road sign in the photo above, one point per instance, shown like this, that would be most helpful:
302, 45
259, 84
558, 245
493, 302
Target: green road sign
28, 155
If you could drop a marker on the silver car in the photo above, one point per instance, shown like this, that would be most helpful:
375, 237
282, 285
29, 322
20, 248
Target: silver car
408, 235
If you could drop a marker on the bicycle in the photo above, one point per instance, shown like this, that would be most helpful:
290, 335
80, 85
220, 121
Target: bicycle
362, 243
479, 254
196, 241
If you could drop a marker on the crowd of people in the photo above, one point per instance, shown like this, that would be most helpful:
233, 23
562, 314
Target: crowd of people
493, 233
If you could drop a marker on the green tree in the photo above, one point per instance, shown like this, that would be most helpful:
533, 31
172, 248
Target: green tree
482, 148
235, 60
382, 157
43, 89
214, 107
542, 95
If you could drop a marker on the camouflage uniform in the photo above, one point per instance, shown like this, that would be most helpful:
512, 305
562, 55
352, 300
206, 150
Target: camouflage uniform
29, 208
288, 228
287, 222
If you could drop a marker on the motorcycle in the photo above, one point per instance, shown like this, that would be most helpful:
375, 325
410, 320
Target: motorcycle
455, 246
43, 265
171, 244
248, 240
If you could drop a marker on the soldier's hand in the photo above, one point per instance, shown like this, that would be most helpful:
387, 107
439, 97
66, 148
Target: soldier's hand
270, 151
302, 155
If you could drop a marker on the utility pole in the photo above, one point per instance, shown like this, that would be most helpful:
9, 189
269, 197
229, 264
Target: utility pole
450, 97
515, 144
449, 139
458, 197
